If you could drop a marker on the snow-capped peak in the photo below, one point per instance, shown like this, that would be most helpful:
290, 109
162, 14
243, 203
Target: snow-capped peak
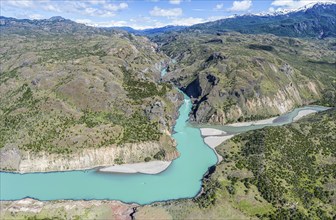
287, 11
311, 5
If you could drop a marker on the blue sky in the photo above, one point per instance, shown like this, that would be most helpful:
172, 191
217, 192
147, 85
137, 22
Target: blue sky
142, 14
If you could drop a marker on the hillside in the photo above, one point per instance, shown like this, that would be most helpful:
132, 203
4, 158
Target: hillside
240, 77
282, 172
66, 87
317, 21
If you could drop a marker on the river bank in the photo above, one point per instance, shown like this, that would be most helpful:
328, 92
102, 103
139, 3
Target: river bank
14, 160
66, 209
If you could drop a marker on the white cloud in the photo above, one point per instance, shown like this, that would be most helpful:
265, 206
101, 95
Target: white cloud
96, 2
94, 12
175, 2
282, 2
35, 16
294, 4
117, 7
106, 11
20, 3
146, 23
102, 23
53, 8
84, 21
243, 5
218, 7
92, 8
271, 9
160, 12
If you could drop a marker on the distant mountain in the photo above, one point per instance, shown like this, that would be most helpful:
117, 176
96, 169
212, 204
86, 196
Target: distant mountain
125, 28
151, 31
59, 25
318, 21
53, 26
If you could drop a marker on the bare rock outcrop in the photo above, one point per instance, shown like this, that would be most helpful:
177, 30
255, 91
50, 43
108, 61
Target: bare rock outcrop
10, 157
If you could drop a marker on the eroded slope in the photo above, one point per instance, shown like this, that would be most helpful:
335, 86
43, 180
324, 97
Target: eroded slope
234, 77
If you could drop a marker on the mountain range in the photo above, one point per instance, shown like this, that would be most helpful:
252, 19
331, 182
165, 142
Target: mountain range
315, 21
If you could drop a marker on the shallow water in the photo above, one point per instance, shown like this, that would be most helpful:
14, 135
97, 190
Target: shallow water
182, 179
280, 120
163, 72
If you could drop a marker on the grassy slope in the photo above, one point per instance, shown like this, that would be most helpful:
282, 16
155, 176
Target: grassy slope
283, 172
60, 93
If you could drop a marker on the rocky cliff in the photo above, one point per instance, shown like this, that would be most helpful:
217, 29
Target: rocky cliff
236, 77
12, 159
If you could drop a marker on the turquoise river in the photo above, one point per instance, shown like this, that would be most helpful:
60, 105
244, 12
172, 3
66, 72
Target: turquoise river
182, 179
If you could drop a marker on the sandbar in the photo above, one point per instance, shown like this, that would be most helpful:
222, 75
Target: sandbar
303, 113
152, 167
214, 141
249, 123
211, 132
